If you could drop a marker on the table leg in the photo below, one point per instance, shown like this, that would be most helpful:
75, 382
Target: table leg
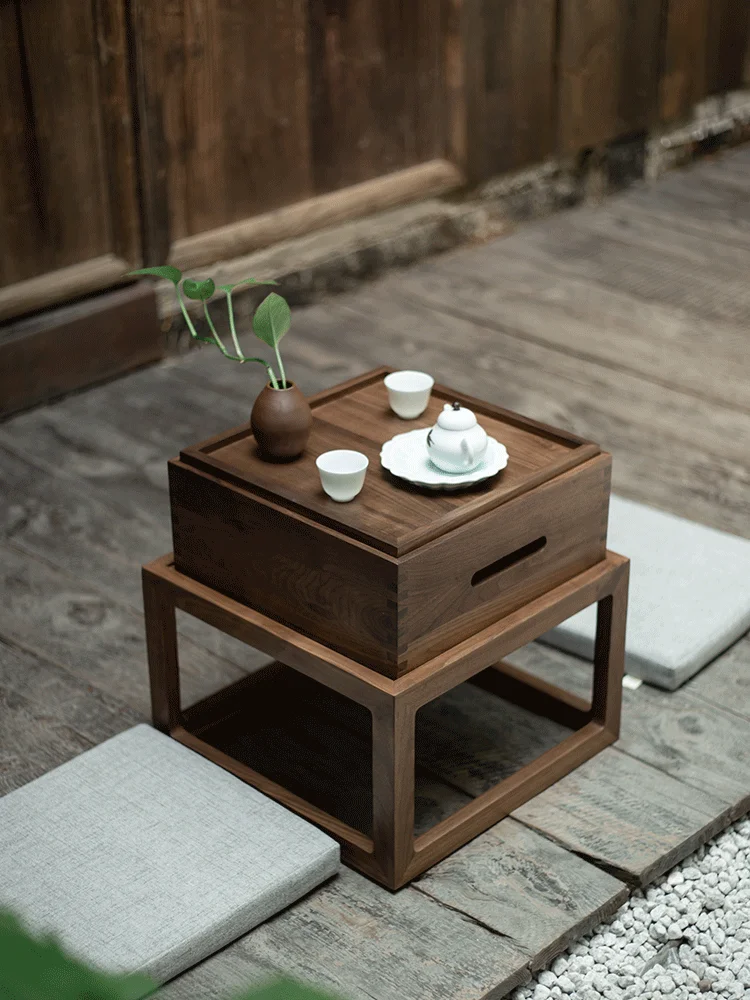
161, 645
609, 654
393, 731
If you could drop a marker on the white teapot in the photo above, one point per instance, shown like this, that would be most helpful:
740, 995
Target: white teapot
456, 443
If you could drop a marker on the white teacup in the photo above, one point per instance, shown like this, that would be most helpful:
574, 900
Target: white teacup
342, 473
409, 392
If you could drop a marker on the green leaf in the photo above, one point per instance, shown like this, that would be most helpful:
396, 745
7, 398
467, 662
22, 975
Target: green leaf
247, 281
39, 968
201, 291
166, 271
272, 319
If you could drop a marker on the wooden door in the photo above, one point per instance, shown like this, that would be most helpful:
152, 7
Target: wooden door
69, 219
253, 107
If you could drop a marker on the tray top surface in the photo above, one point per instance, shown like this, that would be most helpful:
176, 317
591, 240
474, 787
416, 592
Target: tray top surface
389, 514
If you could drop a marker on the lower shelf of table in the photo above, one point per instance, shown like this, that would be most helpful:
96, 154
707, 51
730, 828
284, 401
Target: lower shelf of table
311, 749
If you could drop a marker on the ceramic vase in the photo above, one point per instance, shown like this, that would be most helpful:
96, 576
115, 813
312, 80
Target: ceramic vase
281, 421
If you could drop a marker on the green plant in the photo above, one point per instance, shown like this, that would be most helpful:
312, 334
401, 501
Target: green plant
39, 969
271, 321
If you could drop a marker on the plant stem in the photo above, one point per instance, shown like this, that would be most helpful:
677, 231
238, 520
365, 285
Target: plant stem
281, 368
219, 344
191, 328
230, 310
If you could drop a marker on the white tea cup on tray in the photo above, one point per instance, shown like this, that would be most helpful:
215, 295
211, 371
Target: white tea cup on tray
409, 392
342, 473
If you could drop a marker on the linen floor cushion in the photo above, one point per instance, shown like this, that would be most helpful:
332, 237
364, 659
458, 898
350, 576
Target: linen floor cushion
142, 856
689, 594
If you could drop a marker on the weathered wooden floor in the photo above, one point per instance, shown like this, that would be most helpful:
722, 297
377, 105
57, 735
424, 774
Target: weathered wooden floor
628, 324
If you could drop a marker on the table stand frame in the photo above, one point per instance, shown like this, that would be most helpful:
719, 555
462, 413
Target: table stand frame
393, 856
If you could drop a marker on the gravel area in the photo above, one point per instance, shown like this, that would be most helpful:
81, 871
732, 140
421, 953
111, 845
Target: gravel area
686, 937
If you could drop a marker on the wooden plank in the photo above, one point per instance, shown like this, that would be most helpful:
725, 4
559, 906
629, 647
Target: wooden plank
726, 681
60, 618
684, 74
74, 346
54, 287
19, 192
376, 88
47, 716
472, 740
65, 524
682, 733
638, 271
519, 39
626, 817
387, 945
233, 107
525, 887
561, 288
608, 65
66, 151
727, 43
378, 194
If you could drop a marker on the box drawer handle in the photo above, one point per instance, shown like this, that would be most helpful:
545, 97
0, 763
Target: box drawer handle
507, 561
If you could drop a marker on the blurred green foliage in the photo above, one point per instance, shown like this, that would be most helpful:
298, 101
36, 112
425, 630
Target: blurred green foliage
39, 969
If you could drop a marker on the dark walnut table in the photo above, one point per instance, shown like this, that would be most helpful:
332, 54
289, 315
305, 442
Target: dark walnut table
388, 601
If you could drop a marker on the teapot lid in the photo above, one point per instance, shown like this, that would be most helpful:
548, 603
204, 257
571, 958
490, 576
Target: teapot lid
456, 418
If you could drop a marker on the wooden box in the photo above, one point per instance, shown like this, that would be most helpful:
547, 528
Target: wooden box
400, 574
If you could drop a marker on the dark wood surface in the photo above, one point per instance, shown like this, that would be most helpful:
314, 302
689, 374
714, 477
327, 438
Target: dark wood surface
648, 372
609, 70
74, 346
164, 126
399, 574
374, 815
387, 516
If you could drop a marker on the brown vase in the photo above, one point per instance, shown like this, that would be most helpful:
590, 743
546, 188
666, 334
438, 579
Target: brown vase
281, 421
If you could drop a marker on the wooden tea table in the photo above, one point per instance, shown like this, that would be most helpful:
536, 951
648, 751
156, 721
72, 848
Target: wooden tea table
391, 601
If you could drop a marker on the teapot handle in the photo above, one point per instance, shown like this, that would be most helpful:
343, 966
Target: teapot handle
466, 448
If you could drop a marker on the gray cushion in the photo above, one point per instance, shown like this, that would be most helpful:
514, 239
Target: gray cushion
145, 857
689, 594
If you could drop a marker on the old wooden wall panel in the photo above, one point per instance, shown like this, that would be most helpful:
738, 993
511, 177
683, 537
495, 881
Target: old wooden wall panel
706, 49
683, 78
64, 95
608, 60
376, 88
223, 92
728, 34
518, 63
18, 206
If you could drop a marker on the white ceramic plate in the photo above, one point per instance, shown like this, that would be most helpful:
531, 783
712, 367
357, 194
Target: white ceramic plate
405, 456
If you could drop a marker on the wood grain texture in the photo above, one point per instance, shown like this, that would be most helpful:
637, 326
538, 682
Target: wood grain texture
63, 619
698, 734
56, 84
626, 817
366, 578
218, 728
608, 61
388, 946
48, 716
376, 85
75, 346
231, 108
726, 681
684, 77
526, 888
518, 56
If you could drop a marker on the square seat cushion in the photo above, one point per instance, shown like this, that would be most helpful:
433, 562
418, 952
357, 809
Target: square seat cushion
689, 595
142, 856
